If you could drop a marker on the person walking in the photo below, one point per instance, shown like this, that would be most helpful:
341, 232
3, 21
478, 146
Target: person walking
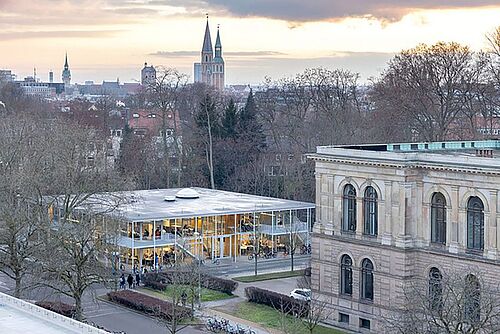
130, 281
137, 279
122, 281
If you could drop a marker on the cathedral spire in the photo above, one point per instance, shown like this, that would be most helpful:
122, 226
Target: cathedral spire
207, 40
218, 45
66, 66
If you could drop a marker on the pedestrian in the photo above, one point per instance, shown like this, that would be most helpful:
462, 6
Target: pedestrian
184, 298
130, 281
122, 281
137, 279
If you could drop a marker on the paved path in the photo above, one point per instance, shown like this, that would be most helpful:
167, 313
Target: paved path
244, 267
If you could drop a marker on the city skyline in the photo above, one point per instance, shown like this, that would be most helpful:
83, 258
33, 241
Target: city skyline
110, 39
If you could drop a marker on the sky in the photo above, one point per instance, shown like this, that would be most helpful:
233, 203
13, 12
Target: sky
111, 39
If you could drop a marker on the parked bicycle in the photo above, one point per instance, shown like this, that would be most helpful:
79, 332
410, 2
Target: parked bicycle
224, 326
305, 249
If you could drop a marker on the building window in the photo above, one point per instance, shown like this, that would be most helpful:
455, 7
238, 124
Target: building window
414, 146
438, 218
364, 323
346, 275
472, 294
367, 279
370, 211
343, 318
443, 145
349, 209
397, 147
435, 289
475, 224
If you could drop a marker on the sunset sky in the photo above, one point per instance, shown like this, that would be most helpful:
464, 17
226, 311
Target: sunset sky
106, 39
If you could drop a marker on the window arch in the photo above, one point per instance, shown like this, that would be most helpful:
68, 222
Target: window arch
346, 275
367, 279
370, 211
435, 289
472, 304
438, 218
349, 208
475, 223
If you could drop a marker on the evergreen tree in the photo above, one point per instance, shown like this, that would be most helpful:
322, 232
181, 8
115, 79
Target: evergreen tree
230, 121
249, 126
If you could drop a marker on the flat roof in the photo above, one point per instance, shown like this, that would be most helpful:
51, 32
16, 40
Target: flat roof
20, 317
151, 204
439, 146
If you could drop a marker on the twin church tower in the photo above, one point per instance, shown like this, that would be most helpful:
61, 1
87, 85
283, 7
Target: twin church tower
211, 68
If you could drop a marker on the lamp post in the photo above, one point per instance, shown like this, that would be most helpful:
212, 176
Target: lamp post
200, 241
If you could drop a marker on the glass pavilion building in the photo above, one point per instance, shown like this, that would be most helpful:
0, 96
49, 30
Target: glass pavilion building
208, 224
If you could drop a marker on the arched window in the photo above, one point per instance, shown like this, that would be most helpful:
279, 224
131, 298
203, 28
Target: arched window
472, 305
349, 209
475, 224
438, 218
346, 275
367, 279
370, 211
435, 289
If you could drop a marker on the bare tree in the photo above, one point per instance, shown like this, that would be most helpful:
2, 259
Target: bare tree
164, 94
21, 214
426, 85
449, 302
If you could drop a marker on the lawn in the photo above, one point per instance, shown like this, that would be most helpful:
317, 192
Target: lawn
265, 277
207, 295
270, 318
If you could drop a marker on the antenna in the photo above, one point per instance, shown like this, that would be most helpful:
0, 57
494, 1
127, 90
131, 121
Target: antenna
206, 15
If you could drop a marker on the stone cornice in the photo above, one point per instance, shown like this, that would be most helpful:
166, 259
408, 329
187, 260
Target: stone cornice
438, 165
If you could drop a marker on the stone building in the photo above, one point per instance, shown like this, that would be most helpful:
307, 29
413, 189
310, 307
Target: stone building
387, 214
211, 69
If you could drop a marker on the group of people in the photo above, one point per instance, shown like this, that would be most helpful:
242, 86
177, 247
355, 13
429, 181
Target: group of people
130, 281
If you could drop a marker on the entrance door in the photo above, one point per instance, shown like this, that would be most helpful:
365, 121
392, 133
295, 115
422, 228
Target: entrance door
221, 247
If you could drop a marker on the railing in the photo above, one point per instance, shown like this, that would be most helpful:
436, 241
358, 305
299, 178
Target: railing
33, 310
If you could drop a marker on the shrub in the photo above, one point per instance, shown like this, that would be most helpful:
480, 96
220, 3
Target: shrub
278, 301
159, 281
149, 305
58, 307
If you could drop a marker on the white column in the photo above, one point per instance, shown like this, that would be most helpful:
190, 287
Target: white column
235, 237
154, 245
132, 250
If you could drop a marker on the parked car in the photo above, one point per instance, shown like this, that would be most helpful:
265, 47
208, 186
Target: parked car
301, 294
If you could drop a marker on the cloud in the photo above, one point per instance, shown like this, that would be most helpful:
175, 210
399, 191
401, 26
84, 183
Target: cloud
230, 54
57, 34
321, 10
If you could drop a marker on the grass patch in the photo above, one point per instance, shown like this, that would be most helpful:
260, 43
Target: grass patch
207, 295
265, 277
268, 317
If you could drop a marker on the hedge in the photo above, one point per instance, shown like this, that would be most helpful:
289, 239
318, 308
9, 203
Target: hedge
278, 301
159, 281
58, 307
149, 305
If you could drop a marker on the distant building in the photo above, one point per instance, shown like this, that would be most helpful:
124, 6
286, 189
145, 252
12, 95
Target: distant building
6, 76
32, 87
51, 77
211, 70
197, 72
148, 75
66, 73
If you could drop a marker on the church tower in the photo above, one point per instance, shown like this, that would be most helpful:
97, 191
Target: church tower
66, 73
218, 65
207, 55
211, 69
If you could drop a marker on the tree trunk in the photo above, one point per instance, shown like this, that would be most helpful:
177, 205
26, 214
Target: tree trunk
17, 290
255, 259
78, 307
